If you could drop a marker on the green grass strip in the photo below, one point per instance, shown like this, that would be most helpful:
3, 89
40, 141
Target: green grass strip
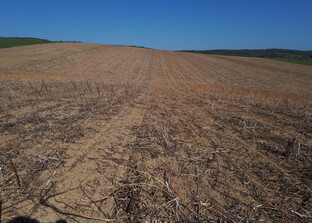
15, 41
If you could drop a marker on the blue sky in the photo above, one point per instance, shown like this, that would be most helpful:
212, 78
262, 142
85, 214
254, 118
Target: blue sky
164, 24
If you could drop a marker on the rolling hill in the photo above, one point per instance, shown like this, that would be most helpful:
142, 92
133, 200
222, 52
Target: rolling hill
96, 132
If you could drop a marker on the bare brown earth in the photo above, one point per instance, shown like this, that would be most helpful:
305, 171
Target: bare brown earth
92, 133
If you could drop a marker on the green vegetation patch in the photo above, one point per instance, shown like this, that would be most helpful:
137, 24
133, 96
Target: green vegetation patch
303, 62
140, 47
6, 42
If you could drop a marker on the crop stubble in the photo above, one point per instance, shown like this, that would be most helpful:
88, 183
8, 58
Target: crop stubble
95, 132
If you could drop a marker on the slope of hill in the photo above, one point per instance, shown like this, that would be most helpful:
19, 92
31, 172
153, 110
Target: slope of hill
124, 134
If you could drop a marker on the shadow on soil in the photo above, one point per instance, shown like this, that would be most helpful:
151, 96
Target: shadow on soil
30, 220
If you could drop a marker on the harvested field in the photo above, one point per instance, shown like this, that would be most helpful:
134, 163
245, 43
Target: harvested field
92, 133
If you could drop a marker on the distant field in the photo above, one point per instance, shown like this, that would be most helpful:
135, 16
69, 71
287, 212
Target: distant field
7, 42
291, 56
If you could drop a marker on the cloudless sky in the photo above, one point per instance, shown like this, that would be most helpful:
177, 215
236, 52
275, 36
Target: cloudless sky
164, 24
